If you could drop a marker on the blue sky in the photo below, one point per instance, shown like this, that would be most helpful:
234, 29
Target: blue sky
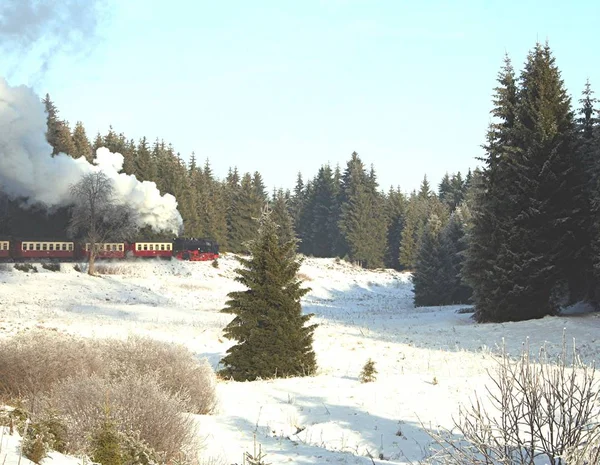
285, 86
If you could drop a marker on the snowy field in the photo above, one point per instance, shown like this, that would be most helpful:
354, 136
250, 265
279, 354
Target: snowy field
429, 359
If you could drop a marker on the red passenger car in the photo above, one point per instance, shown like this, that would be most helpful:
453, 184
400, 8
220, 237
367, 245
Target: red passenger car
105, 250
151, 249
4, 249
43, 249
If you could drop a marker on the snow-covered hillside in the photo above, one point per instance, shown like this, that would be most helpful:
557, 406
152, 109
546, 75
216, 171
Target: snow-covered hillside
429, 359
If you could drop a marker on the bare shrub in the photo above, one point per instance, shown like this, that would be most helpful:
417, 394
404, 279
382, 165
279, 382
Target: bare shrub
135, 403
176, 368
304, 277
540, 411
31, 362
588, 453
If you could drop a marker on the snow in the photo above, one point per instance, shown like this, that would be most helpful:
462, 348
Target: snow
429, 359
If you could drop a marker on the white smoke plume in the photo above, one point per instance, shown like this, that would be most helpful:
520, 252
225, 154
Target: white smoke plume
28, 170
47, 28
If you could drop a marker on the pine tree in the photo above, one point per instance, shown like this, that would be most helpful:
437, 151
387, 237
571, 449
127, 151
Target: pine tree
53, 123
297, 202
588, 160
64, 139
395, 211
420, 207
491, 210
362, 221
215, 207
144, 163
526, 237
368, 374
105, 444
83, 148
425, 189
282, 217
445, 188
452, 246
273, 338
323, 209
545, 248
243, 212
428, 277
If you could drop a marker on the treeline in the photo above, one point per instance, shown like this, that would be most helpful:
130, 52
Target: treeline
337, 213
519, 239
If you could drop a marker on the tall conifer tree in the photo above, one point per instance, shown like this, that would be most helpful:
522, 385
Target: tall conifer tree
273, 338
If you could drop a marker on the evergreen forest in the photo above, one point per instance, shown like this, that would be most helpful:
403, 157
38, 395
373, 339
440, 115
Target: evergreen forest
518, 237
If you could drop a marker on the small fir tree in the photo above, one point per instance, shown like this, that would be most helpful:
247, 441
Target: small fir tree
273, 338
368, 373
106, 444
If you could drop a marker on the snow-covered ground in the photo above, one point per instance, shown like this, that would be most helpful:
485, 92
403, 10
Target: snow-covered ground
429, 359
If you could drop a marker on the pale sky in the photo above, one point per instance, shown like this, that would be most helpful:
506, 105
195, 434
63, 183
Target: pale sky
284, 86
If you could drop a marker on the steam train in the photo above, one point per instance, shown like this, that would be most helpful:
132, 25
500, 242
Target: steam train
191, 249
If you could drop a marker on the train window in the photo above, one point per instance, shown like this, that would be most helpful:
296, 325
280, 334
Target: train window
4, 246
50, 246
120, 247
151, 246
145, 246
44, 246
138, 246
63, 247
70, 246
162, 246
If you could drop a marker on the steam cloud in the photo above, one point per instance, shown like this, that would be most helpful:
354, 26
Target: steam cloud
48, 27
28, 170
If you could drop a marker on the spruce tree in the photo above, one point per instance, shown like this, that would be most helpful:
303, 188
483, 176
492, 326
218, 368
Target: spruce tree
273, 338
395, 211
281, 216
64, 139
83, 148
242, 215
545, 248
452, 246
444, 188
53, 123
588, 159
362, 222
526, 241
323, 205
428, 277
144, 163
492, 213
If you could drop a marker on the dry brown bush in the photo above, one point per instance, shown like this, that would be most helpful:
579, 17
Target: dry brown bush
133, 402
176, 368
31, 362
304, 277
